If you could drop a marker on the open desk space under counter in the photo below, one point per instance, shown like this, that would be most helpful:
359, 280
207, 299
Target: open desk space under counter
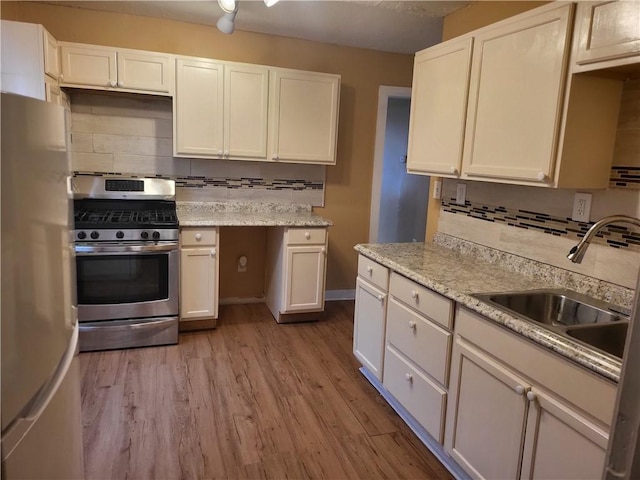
287, 263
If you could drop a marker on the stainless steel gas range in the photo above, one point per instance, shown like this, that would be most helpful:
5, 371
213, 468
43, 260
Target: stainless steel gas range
126, 244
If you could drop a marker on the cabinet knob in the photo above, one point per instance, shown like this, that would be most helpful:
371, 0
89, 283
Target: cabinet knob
369, 269
220, 153
323, 250
412, 325
198, 236
408, 377
274, 156
453, 170
541, 176
112, 83
414, 294
61, 77
381, 298
213, 252
519, 390
307, 235
120, 84
226, 153
531, 396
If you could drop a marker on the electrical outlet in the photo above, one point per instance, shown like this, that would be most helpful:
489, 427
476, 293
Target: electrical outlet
581, 207
242, 264
461, 193
437, 189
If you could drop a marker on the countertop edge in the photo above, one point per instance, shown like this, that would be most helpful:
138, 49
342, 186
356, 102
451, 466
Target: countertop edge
572, 351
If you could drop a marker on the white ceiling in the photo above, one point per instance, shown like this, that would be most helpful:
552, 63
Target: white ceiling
392, 26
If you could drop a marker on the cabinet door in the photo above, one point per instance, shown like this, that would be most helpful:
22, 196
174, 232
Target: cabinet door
369, 322
198, 108
246, 102
51, 56
304, 278
144, 71
52, 91
516, 98
438, 108
304, 117
560, 443
198, 283
486, 417
607, 31
88, 66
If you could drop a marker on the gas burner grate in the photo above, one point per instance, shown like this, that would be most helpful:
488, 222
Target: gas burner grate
126, 216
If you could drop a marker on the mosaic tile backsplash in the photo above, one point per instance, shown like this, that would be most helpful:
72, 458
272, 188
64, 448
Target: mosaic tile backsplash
625, 177
616, 236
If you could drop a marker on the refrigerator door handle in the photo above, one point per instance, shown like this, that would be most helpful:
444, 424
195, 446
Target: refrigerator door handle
21, 425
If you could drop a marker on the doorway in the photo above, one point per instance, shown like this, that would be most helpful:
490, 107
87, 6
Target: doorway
398, 199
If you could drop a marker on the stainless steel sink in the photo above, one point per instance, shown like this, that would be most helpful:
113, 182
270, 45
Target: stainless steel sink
582, 318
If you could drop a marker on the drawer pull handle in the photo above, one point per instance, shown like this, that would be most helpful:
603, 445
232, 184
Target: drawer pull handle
198, 237
370, 270
519, 390
412, 325
307, 235
213, 252
414, 294
408, 377
531, 396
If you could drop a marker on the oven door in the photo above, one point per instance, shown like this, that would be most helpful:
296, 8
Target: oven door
117, 281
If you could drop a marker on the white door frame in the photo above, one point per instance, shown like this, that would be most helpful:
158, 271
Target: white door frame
384, 94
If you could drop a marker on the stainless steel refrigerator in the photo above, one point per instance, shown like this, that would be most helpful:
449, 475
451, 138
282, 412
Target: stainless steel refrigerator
623, 456
41, 425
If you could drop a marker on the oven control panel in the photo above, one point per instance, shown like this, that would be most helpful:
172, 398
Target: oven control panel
131, 235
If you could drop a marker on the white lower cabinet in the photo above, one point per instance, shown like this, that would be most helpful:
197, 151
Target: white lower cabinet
296, 271
198, 274
502, 420
369, 322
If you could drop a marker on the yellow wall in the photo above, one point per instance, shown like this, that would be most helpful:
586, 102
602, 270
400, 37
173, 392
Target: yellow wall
348, 188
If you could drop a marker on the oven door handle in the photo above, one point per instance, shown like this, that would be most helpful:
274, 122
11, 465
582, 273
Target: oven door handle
98, 249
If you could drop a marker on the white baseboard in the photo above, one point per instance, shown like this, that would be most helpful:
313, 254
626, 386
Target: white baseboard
240, 300
334, 295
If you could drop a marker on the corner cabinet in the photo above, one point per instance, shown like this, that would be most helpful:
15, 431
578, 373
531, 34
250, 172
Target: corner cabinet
369, 322
439, 108
296, 271
535, 434
220, 110
107, 68
199, 270
303, 116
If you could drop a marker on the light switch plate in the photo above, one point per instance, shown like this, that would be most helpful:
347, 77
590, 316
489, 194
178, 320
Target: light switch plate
461, 193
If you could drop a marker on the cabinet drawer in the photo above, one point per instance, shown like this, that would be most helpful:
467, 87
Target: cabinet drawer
303, 236
424, 400
433, 305
373, 272
420, 340
198, 236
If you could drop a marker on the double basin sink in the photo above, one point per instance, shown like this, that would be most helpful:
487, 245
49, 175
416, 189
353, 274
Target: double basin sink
589, 321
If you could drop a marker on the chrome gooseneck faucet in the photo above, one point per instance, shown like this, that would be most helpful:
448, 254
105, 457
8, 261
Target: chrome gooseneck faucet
577, 252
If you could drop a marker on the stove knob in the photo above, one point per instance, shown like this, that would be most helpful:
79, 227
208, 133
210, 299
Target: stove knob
95, 235
82, 235
144, 235
119, 234
156, 235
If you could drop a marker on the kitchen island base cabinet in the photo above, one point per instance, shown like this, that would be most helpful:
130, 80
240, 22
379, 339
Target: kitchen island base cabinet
199, 276
296, 267
504, 422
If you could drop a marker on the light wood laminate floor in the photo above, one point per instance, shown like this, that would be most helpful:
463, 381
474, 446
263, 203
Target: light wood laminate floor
251, 399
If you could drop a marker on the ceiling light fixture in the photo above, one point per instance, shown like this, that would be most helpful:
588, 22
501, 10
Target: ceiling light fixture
228, 6
226, 24
270, 3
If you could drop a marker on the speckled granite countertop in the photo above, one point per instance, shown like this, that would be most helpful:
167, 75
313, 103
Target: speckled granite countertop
247, 214
458, 276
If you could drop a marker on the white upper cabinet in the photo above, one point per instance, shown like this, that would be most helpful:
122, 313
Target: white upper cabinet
607, 34
221, 110
92, 66
51, 56
198, 123
303, 120
516, 97
439, 107
246, 102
